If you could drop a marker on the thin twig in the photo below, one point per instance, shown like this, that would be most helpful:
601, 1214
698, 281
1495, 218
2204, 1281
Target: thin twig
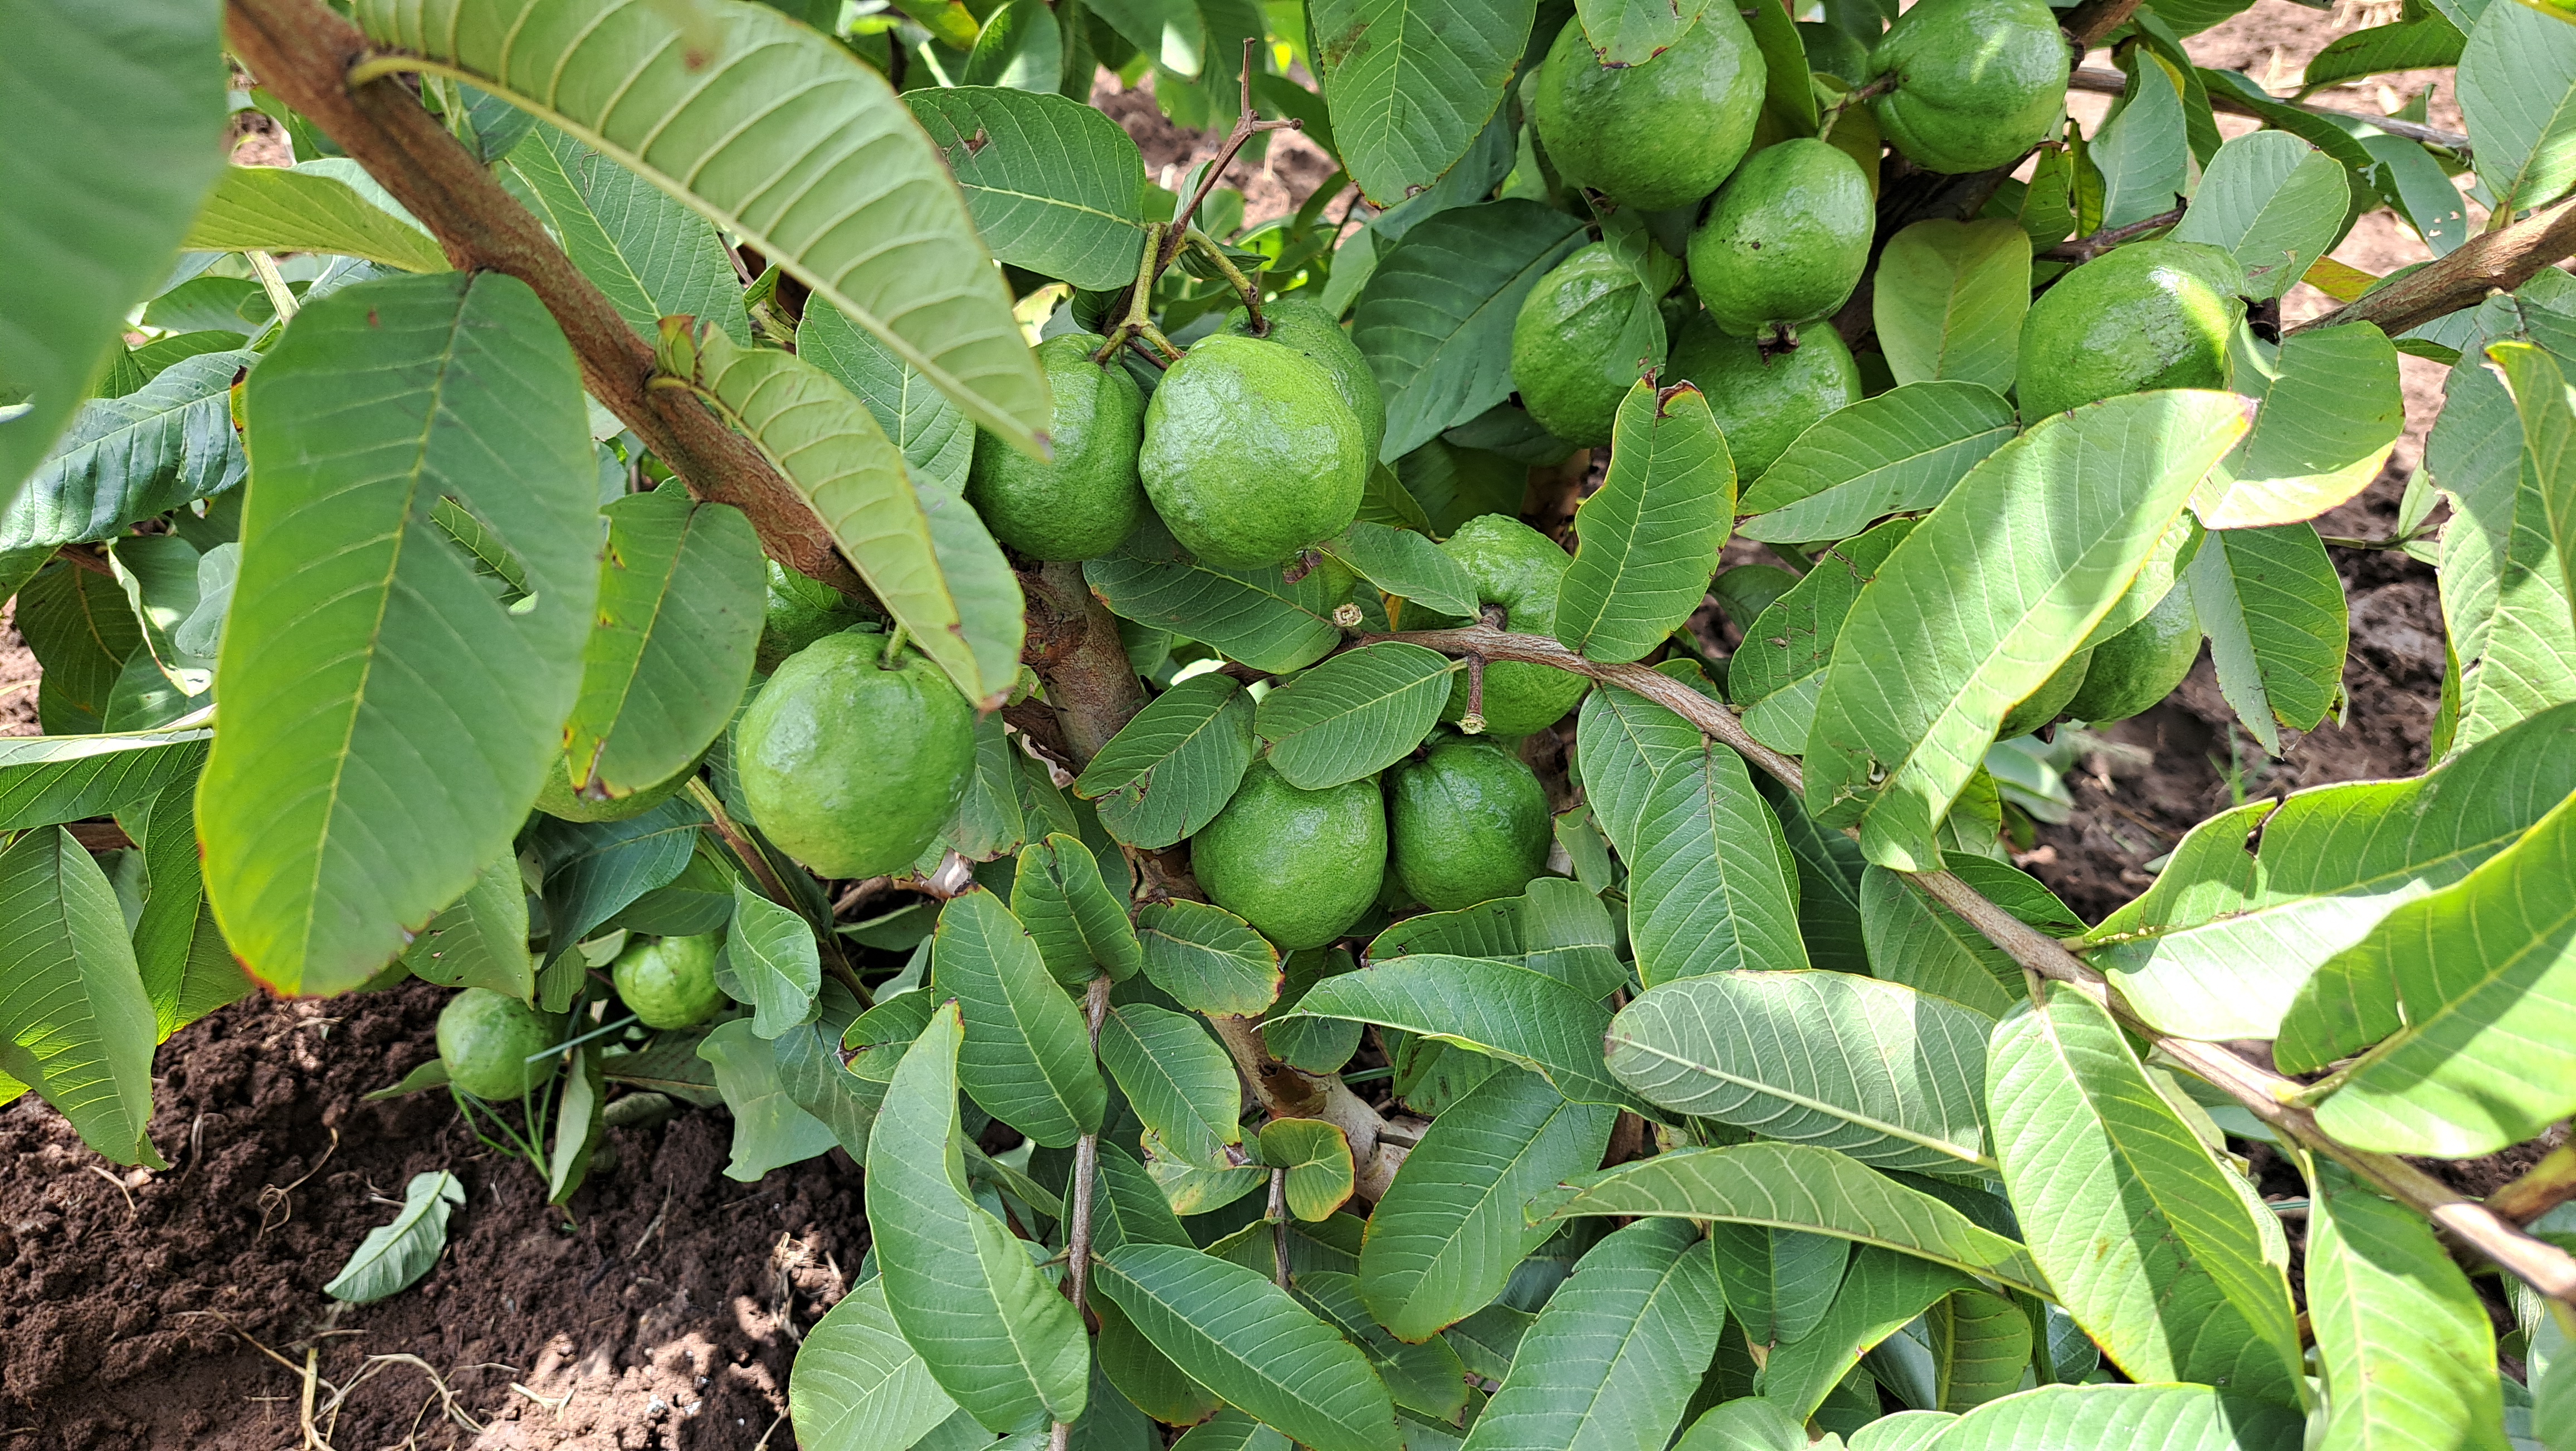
273, 282
1279, 1226
1234, 277
2085, 249
2542, 1188
1086, 1167
772, 885
2112, 83
1245, 128
2267, 1095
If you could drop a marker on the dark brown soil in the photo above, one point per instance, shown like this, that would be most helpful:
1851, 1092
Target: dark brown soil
666, 1317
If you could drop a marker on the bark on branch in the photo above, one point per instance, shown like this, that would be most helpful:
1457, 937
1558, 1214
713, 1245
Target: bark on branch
2267, 1095
303, 51
2497, 261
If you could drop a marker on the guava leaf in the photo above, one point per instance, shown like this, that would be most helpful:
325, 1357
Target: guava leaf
394, 1256
1355, 714
652, 255
1647, 541
1902, 450
280, 209
1175, 763
1411, 83
1948, 301
1052, 184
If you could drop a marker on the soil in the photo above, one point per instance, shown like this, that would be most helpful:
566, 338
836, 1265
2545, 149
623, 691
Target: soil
142, 1309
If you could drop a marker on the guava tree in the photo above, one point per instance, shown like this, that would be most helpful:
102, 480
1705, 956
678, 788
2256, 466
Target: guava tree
756, 542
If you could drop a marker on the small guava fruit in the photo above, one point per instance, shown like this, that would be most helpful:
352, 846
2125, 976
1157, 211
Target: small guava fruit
1520, 569
558, 799
1574, 351
1835, 51
799, 612
1311, 328
1086, 499
2142, 664
1469, 823
1250, 453
1660, 134
485, 1039
2048, 701
1300, 866
850, 768
2147, 315
1764, 395
1786, 240
1973, 84
669, 982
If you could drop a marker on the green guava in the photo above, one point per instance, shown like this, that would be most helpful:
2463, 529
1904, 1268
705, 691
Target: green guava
1576, 349
1973, 84
1660, 134
1311, 328
1300, 866
1786, 240
485, 1039
1520, 569
1250, 453
2048, 701
2142, 664
2147, 315
1468, 821
669, 982
852, 769
1763, 397
1080, 504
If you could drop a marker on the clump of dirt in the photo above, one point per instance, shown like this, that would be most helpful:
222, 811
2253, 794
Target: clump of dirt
666, 1315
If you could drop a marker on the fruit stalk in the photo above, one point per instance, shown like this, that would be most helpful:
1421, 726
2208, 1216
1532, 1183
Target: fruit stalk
2266, 1094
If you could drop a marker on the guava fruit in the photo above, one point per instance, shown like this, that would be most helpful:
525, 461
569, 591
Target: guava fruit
1764, 397
1300, 866
1973, 84
2048, 701
1786, 240
2142, 664
1080, 504
1469, 823
1574, 355
850, 768
1834, 51
800, 611
557, 799
1518, 568
485, 1039
1660, 134
2147, 315
669, 982
1250, 453
1311, 329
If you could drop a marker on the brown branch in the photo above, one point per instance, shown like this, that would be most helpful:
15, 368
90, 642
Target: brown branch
2094, 19
1245, 128
2544, 1187
303, 51
1075, 650
1086, 1168
1286, 1091
2112, 83
2267, 1095
2497, 261
2085, 249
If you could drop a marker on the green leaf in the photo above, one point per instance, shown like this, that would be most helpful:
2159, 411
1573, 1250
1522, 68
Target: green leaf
1616, 1352
1623, 742
1795, 1186
116, 124
2327, 424
1900, 451
2143, 1417
1747, 1423
1207, 958
2432, 984
1253, 616
989, 823
857, 1385
2152, 1246
2517, 91
2274, 610
406, 717
1169, 31
1445, 1238
2548, 412
2404, 46
186, 968
1882, 1292
1555, 928
590, 873
49, 779
75, 1024
1244, 1338
777, 134
2143, 151
1521, 1017
128, 458
2274, 202
1027, 1058
1412, 82
2053, 526
2408, 1354
277, 209
1407, 565
1633, 32
943, 578
1789, 92
1889, 1076
480, 941
1355, 714
1428, 1378
1647, 542
2254, 899
1175, 763
1779, 1283
937, 441
82, 630
1317, 1157
1711, 885
1830, 870
1053, 185
770, 962
680, 599
1949, 301
2504, 598
1904, 1431
1177, 1078
994, 1333
1981, 1343
770, 1129
1081, 929
1231, 1430
652, 256
1435, 319
1917, 941
578, 1123
1128, 1207
1778, 674
811, 1074
394, 1256
1142, 1374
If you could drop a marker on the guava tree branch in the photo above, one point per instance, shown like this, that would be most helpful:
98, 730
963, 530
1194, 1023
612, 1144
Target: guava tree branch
2112, 83
303, 51
2497, 261
2267, 1095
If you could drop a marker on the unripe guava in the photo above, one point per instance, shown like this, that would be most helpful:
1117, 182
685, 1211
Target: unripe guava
2147, 315
669, 982
485, 1039
1974, 84
1300, 866
1469, 823
1660, 134
1306, 326
1250, 453
1573, 354
1786, 240
1086, 499
850, 768
1520, 569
